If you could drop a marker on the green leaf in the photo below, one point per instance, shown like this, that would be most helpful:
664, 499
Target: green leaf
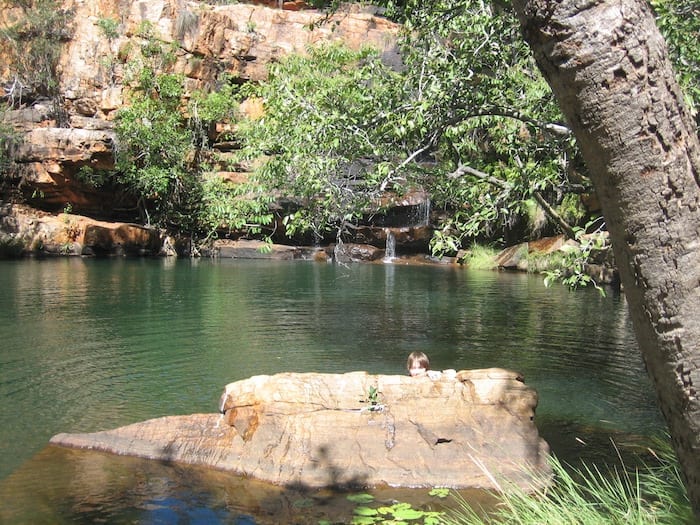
408, 514
365, 511
303, 503
363, 520
439, 492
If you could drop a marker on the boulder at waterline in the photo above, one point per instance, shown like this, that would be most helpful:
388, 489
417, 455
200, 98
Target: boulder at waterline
469, 429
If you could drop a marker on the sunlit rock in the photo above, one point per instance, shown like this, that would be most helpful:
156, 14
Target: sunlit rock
472, 429
67, 234
546, 254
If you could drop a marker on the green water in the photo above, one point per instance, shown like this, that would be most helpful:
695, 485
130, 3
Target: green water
93, 344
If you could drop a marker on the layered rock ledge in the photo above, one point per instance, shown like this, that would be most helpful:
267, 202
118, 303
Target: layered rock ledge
474, 428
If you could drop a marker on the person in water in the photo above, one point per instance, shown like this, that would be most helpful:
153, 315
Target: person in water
418, 365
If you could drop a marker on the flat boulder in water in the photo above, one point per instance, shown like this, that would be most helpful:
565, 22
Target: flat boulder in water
474, 428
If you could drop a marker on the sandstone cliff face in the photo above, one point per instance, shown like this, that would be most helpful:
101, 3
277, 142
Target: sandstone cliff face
23, 229
471, 429
208, 40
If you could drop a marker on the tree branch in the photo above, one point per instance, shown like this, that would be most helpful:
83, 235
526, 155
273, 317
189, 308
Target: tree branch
551, 212
565, 226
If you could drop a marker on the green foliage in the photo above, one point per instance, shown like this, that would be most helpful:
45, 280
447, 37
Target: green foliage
150, 55
373, 395
480, 257
242, 207
439, 492
326, 140
468, 118
109, 27
679, 22
220, 105
34, 46
157, 157
164, 156
571, 209
494, 129
571, 268
362, 497
588, 495
154, 147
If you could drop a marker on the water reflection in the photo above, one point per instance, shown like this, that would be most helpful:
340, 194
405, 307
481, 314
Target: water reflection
91, 487
94, 344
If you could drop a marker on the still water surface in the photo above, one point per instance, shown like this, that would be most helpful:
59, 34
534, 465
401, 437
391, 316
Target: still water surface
94, 344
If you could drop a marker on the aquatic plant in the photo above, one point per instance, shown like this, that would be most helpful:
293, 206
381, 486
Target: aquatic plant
398, 512
651, 494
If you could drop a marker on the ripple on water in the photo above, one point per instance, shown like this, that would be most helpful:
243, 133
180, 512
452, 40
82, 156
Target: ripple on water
93, 344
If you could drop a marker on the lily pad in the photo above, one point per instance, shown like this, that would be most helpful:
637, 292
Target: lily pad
360, 498
365, 511
439, 492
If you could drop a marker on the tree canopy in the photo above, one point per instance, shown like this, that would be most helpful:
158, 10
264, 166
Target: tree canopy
465, 116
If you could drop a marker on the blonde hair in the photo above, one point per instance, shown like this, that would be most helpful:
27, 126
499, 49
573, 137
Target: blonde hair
418, 358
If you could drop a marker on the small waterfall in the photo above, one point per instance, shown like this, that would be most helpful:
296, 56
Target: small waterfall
421, 215
390, 250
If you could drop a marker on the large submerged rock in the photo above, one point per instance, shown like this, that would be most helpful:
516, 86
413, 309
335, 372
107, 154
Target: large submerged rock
472, 429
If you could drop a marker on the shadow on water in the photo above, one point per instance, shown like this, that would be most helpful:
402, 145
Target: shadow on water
88, 487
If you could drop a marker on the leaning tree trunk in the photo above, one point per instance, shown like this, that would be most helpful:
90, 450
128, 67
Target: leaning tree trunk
608, 66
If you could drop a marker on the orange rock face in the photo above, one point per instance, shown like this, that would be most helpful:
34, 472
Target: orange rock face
209, 40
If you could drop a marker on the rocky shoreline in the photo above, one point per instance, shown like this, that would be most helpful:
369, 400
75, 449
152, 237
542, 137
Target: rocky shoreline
26, 232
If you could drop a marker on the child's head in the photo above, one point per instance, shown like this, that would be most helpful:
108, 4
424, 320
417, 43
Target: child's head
418, 364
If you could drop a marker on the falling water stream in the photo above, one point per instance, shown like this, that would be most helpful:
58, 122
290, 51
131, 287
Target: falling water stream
94, 344
390, 249
421, 216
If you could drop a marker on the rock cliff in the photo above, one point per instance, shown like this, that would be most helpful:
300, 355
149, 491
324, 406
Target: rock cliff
472, 429
208, 41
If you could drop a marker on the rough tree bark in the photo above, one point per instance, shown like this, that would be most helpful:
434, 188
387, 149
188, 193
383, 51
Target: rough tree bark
608, 66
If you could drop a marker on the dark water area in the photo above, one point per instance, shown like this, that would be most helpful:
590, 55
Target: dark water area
94, 344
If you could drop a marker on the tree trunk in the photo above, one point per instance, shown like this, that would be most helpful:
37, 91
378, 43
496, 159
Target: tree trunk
608, 66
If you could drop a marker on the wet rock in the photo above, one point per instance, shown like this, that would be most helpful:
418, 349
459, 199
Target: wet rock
353, 252
252, 249
407, 237
469, 429
120, 239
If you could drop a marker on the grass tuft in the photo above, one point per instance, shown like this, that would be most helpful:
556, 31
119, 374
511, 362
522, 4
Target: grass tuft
652, 494
479, 257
